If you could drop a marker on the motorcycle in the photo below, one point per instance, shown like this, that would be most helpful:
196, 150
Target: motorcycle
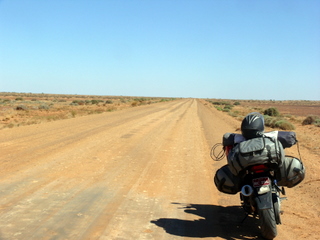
261, 188
260, 196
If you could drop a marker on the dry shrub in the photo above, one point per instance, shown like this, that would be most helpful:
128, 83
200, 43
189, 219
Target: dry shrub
284, 125
278, 123
270, 121
134, 104
273, 112
21, 108
37, 108
310, 120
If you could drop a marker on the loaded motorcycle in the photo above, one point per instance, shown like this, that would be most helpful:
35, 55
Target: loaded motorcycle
259, 170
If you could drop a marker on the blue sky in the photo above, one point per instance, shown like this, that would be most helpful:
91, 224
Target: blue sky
230, 49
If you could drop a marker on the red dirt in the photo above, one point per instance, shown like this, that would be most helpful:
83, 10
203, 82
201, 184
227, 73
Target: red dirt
138, 173
296, 108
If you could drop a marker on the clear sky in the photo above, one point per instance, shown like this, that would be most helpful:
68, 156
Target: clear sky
246, 49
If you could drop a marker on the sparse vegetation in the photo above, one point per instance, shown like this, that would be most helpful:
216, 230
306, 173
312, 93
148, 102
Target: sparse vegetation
286, 118
20, 109
277, 122
273, 112
134, 104
311, 120
224, 106
44, 107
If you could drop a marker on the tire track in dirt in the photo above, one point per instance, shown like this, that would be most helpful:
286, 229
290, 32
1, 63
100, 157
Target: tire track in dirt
60, 135
67, 157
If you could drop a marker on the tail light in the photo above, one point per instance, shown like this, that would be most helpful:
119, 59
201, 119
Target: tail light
259, 168
227, 149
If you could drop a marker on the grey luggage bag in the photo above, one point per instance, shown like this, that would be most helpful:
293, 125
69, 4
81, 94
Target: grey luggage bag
291, 173
226, 182
262, 150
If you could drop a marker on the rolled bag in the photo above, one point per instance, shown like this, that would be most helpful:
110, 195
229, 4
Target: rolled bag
286, 138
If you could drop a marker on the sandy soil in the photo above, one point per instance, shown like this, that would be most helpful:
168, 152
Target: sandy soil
139, 173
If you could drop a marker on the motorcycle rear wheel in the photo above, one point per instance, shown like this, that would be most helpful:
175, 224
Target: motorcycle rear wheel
268, 223
276, 208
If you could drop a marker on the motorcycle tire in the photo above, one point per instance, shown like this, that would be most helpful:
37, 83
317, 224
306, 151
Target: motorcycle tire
268, 223
276, 208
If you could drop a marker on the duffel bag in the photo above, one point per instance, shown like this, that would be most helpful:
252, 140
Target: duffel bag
226, 182
262, 150
291, 173
287, 138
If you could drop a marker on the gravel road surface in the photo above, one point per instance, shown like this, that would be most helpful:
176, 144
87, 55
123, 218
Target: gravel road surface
138, 173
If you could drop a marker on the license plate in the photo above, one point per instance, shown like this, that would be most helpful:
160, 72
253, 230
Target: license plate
262, 181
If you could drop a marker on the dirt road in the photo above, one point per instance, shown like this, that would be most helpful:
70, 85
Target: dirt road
139, 173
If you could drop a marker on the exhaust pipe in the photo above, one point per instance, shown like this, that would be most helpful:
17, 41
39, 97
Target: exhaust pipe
246, 190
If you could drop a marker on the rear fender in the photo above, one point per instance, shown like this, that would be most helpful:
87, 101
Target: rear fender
264, 201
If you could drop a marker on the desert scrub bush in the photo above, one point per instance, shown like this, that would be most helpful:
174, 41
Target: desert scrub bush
270, 121
234, 114
123, 100
273, 112
276, 122
309, 120
134, 104
228, 107
215, 103
94, 101
220, 103
110, 109
236, 103
218, 108
96, 111
77, 102
22, 108
109, 102
284, 125
44, 107
258, 109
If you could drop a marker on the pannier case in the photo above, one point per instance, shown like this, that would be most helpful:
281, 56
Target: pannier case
226, 182
291, 173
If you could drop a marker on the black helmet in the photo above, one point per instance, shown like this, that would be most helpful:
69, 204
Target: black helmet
252, 125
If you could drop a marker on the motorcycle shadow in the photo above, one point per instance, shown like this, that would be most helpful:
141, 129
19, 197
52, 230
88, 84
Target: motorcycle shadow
215, 221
